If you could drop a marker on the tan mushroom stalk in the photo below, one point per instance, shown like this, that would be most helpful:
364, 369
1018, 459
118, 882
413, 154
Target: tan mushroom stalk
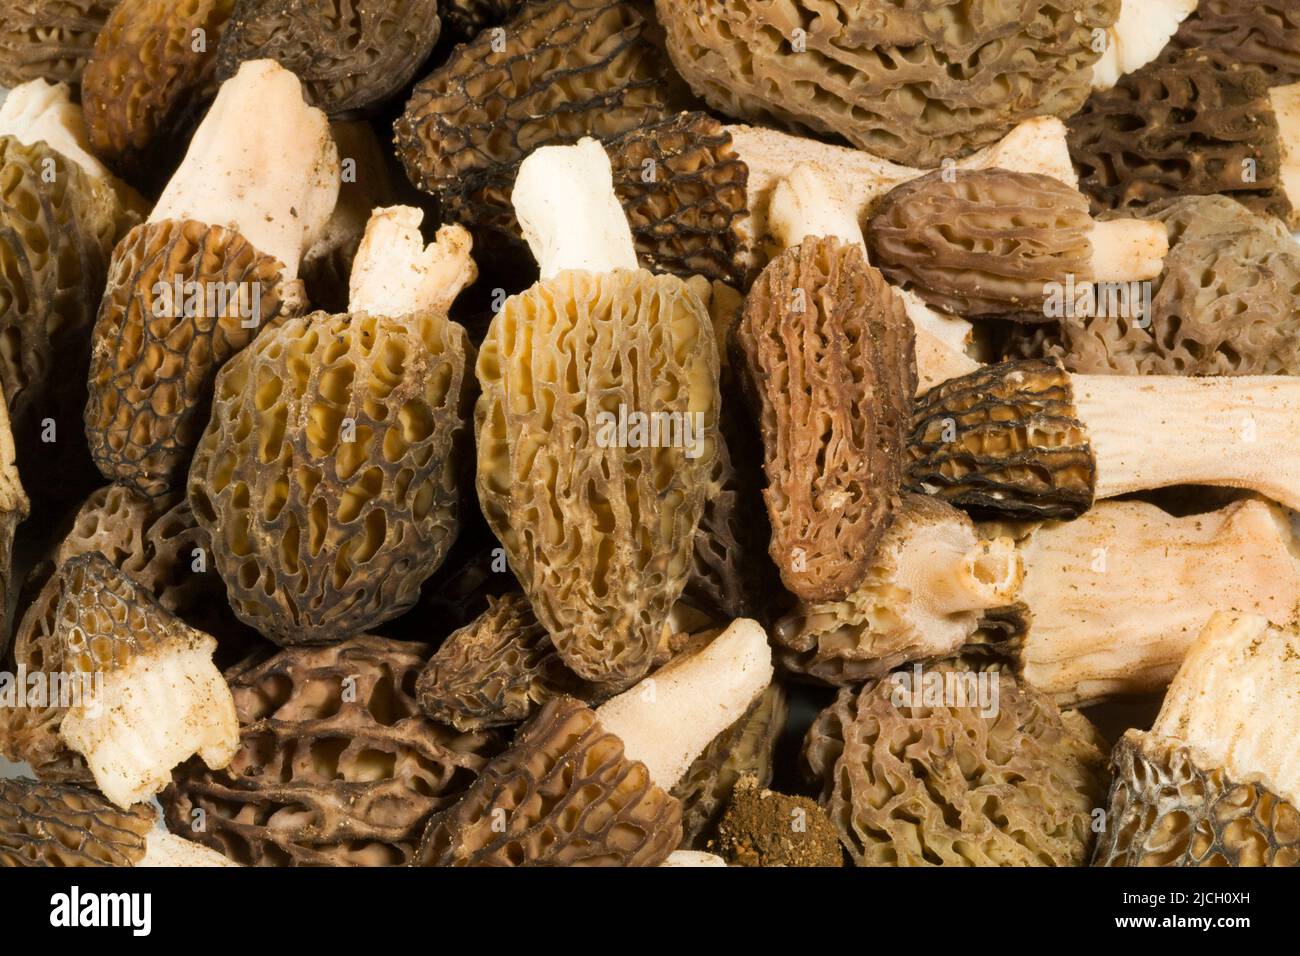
1215, 781
930, 579
217, 260
596, 424
1139, 35
1286, 110
1116, 596
1029, 439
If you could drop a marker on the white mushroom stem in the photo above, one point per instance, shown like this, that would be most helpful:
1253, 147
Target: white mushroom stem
668, 719
1117, 595
806, 203
1035, 146
1286, 107
693, 858
1128, 250
262, 163
568, 211
1153, 431
1143, 29
395, 273
1233, 703
163, 849
368, 187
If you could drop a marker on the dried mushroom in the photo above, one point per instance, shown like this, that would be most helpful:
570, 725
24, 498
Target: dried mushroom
908, 80
828, 360
760, 827
328, 477
1214, 783
1026, 439
928, 582
496, 671
336, 765
992, 242
48, 39
350, 56
45, 824
561, 70
1142, 30
596, 423
14, 508
743, 749
956, 768
1194, 126
1262, 33
464, 19
1116, 596
216, 261
153, 69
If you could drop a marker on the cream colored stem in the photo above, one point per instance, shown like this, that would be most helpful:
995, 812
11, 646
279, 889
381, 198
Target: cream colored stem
807, 204
38, 111
1137, 37
941, 342
564, 198
1117, 595
944, 583
1128, 250
395, 273
1160, 430
262, 162
1286, 107
668, 719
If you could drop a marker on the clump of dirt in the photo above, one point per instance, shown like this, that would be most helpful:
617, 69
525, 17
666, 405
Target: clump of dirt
765, 828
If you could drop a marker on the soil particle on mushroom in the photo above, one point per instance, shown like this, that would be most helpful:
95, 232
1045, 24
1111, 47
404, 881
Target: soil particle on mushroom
761, 827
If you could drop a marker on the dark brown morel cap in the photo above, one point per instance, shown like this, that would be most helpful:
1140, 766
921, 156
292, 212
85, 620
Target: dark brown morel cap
982, 242
1261, 33
45, 824
349, 56
761, 827
909, 80
336, 764
48, 39
1197, 125
563, 69
328, 476
149, 78
154, 356
1167, 811
463, 19
830, 365
920, 773
563, 795
1004, 438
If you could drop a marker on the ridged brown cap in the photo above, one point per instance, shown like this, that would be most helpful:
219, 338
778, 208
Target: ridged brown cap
982, 242
598, 520
829, 363
328, 476
563, 795
568, 69
912, 81
48, 39
1262, 33
45, 824
336, 766
1192, 126
949, 784
154, 358
349, 56
1167, 811
1004, 438
149, 79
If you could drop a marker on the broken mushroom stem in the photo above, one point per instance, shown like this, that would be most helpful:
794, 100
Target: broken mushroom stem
395, 273
568, 211
1138, 37
275, 182
1286, 109
1127, 250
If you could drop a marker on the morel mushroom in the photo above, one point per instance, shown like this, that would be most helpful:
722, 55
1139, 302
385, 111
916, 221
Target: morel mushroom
48, 39
151, 73
991, 242
328, 478
929, 581
1116, 596
589, 788
1026, 439
947, 767
828, 354
44, 824
596, 423
349, 56
909, 81
1264, 34
335, 766
217, 260
1193, 126
559, 71
14, 508
1213, 783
